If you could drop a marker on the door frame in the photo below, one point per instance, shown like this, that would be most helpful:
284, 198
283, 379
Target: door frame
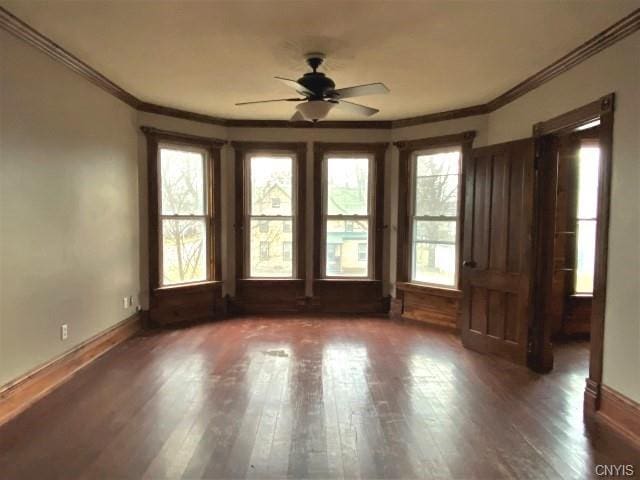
541, 350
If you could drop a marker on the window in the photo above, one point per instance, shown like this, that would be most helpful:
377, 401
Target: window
264, 250
434, 216
362, 252
270, 219
586, 216
347, 216
287, 251
184, 215
333, 251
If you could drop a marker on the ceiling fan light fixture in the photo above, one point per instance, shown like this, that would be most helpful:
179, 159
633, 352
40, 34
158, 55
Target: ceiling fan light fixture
315, 110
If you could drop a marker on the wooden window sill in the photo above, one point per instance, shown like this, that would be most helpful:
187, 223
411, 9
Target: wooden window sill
273, 281
188, 286
429, 290
360, 281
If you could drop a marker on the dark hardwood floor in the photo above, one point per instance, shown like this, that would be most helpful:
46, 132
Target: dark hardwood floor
322, 397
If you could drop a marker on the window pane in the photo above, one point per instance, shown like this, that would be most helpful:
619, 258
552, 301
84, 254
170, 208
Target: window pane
347, 186
435, 231
588, 165
271, 185
184, 251
437, 195
442, 163
434, 252
586, 256
347, 248
271, 248
182, 177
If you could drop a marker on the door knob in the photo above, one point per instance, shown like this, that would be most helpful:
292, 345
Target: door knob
469, 263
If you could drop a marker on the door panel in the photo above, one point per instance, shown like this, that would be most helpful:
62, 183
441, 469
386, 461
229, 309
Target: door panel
496, 274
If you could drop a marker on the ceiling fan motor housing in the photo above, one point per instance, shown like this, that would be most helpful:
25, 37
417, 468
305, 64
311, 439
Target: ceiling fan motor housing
318, 83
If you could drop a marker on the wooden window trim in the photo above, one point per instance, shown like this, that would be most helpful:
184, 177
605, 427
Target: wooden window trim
299, 152
155, 138
377, 151
464, 140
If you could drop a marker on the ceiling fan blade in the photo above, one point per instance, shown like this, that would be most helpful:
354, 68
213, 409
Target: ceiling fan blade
360, 90
276, 100
297, 117
357, 108
301, 89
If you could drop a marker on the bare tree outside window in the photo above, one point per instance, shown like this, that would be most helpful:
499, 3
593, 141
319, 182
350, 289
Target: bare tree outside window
183, 215
435, 217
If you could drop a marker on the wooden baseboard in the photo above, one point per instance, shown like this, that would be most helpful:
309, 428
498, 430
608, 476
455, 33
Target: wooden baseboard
620, 413
22, 392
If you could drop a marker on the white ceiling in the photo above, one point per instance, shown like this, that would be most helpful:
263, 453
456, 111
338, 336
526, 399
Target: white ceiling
204, 56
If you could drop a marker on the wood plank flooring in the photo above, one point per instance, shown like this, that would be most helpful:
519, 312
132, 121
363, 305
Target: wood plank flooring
312, 397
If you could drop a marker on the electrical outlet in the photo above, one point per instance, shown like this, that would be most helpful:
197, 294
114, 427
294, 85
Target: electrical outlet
64, 331
125, 302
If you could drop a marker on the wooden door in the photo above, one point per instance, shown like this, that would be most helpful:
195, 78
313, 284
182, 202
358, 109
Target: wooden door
497, 249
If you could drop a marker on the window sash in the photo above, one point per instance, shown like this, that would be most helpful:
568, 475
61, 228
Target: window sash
205, 176
207, 215
326, 218
249, 216
413, 218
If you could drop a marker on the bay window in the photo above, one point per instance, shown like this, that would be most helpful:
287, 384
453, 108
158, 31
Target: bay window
270, 193
430, 197
270, 221
347, 212
434, 223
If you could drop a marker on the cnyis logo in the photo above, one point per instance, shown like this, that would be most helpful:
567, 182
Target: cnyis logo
614, 470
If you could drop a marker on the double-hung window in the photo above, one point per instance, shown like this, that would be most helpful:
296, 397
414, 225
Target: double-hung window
586, 216
347, 215
185, 215
434, 222
270, 219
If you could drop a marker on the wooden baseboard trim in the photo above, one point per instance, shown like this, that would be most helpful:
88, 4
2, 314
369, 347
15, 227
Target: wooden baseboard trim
17, 395
620, 413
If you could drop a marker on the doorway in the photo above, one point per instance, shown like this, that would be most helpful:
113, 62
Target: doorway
573, 172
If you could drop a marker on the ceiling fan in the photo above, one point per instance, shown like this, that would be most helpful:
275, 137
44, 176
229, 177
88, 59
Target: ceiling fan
320, 95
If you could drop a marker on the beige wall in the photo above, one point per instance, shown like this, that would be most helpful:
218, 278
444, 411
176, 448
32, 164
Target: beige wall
616, 69
68, 208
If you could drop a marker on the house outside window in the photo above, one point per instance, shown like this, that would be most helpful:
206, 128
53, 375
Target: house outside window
347, 215
271, 215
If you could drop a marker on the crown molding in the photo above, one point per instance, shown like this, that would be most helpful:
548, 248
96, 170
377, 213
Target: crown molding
178, 113
608, 37
30, 35
441, 116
